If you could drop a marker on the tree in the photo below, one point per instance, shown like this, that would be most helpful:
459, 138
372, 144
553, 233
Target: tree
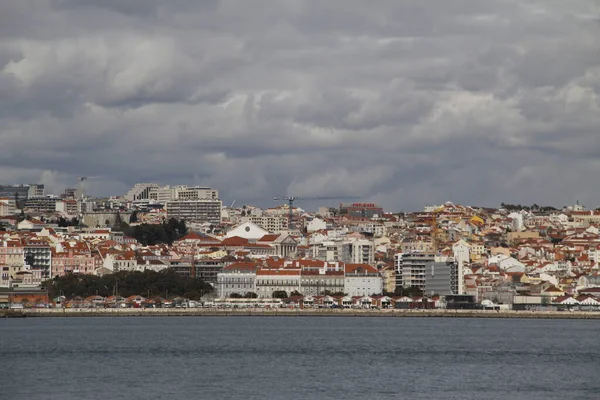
235, 296
295, 293
251, 295
134, 217
279, 294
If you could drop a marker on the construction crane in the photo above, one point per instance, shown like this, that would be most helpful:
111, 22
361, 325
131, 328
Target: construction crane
292, 199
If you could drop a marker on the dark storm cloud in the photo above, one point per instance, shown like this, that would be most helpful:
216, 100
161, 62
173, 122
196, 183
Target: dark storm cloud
400, 102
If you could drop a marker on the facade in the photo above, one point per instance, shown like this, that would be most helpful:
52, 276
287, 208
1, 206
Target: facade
181, 192
140, 191
358, 252
269, 281
39, 256
431, 273
364, 210
316, 283
247, 230
271, 223
7, 206
196, 210
41, 204
362, 280
208, 269
23, 192
67, 262
237, 278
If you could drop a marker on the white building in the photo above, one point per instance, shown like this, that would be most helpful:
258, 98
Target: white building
182, 192
316, 224
140, 191
362, 280
270, 222
273, 280
462, 253
359, 252
237, 278
247, 230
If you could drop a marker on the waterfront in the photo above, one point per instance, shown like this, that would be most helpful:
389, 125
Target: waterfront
295, 312
298, 358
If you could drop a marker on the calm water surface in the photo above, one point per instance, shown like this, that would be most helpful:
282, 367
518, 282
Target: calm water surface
298, 358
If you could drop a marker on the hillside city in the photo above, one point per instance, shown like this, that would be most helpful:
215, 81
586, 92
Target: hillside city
351, 255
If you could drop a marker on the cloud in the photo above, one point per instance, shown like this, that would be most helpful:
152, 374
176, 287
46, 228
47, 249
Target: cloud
403, 103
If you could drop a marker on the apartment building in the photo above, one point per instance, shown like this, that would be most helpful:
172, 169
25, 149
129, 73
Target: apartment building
195, 210
358, 252
270, 222
7, 206
431, 273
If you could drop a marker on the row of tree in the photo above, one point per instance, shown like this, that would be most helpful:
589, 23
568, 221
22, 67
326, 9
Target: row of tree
533, 207
166, 283
151, 234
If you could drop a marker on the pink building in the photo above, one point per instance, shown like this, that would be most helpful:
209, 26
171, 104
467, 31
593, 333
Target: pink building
72, 262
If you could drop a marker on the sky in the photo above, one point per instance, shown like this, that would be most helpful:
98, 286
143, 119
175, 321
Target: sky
401, 103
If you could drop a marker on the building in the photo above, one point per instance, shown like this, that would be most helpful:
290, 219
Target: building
431, 273
72, 262
364, 210
195, 210
41, 204
362, 280
358, 252
322, 281
272, 223
23, 192
7, 206
68, 206
208, 269
141, 191
239, 277
38, 255
276, 280
182, 192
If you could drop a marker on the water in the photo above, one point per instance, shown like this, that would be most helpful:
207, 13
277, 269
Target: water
298, 358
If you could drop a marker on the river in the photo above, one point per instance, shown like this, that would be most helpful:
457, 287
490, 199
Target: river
298, 358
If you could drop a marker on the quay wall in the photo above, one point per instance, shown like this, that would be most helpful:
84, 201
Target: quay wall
283, 312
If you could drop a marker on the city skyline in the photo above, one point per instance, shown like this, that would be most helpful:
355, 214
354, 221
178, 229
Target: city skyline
397, 103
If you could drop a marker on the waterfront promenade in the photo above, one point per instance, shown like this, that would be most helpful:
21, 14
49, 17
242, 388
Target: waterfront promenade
286, 312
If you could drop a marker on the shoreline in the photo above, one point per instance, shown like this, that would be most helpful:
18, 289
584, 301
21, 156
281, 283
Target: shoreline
192, 312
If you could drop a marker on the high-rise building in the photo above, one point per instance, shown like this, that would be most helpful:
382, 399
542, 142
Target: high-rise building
433, 274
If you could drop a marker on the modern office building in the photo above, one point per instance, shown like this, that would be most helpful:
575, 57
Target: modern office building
433, 274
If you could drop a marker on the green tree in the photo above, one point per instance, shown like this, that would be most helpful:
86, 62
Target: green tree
251, 295
279, 294
235, 296
295, 293
134, 217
